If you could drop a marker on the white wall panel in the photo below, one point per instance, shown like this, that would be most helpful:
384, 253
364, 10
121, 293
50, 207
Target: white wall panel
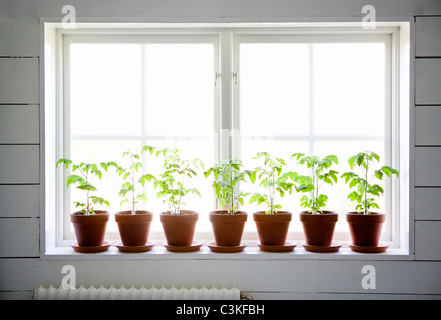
427, 240
19, 124
19, 80
19, 201
428, 36
428, 125
19, 237
19, 37
19, 164
428, 81
427, 166
428, 204
314, 277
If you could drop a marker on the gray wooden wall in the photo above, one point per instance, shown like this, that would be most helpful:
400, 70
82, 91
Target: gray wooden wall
22, 269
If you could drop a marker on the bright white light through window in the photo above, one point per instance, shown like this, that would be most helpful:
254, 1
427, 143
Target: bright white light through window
315, 97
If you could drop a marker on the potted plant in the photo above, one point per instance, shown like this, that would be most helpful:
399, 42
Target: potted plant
178, 224
133, 224
227, 221
364, 224
272, 224
318, 225
89, 224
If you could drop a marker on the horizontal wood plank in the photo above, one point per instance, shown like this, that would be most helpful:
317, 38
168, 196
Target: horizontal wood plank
19, 164
19, 80
19, 237
427, 166
427, 37
19, 124
427, 81
427, 240
19, 201
428, 204
271, 275
428, 125
19, 37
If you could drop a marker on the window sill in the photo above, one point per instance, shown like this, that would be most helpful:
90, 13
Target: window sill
251, 252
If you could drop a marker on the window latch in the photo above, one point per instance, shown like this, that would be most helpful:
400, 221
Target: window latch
235, 77
216, 76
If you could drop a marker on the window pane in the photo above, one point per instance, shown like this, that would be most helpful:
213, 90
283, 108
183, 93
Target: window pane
154, 94
179, 89
105, 89
349, 87
274, 89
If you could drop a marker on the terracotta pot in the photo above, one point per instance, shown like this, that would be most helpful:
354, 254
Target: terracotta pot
90, 229
272, 228
318, 228
179, 228
134, 228
365, 229
228, 228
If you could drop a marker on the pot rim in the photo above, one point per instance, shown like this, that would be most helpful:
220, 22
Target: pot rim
355, 217
137, 212
371, 213
223, 212
280, 212
182, 213
327, 216
100, 216
97, 213
238, 217
126, 217
188, 217
279, 216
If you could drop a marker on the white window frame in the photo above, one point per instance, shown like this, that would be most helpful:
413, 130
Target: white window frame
227, 125
322, 36
66, 235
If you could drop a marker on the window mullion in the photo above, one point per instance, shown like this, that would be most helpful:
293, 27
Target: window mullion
227, 112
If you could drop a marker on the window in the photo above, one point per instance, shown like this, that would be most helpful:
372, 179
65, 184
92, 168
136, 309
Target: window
322, 95
221, 92
123, 94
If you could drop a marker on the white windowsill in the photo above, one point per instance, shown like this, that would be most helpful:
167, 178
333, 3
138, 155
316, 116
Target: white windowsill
251, 252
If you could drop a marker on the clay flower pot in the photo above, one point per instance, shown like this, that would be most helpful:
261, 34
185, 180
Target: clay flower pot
272, 228
90, 229
318, 228
228, 228
365, 229
179, 228
134, 228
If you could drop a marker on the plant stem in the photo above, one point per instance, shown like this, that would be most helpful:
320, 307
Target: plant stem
133, 191
365, 188
232, 191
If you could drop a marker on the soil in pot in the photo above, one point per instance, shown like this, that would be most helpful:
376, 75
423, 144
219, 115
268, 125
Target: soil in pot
365, 229
272, 228
179, 228
134, 228
228, 228
318, 228
90, 229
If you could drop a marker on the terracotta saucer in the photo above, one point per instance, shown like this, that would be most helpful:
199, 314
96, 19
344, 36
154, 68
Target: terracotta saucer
195, 246
226, 249
288, 246
147, 247
91, 249
369, 249
312, 248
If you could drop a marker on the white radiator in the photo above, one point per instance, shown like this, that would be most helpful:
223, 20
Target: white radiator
132, 293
